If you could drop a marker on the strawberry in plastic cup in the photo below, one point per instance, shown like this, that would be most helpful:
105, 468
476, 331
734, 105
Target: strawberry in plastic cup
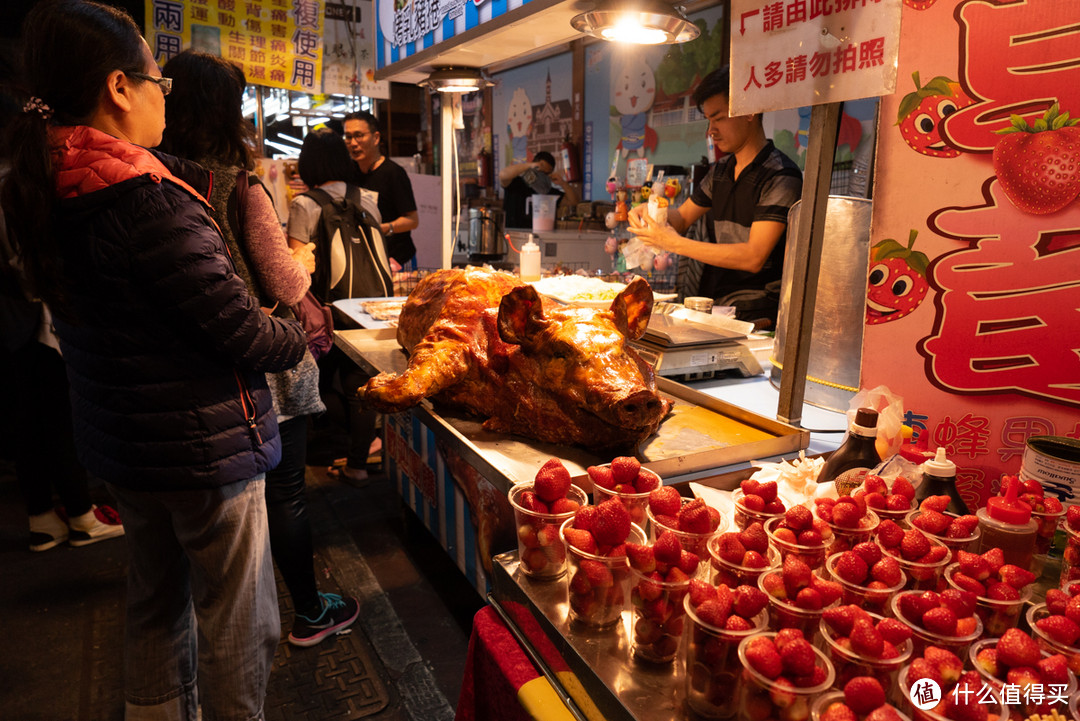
1016, 659
626, 479
694, 524
865, 644
867, 577
1046, 511
541, 550
935, 621
894, 503
780, 683
748, 567
799, 534
848, 519
954, 531
755, 501
1000, 608
661, 578
922, 558
1070, 558
824, 708
1053, 635
798, 596
956, 704
598, 585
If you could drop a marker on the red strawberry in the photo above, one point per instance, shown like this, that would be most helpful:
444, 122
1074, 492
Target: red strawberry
668, 549
963, 526
737, 623
532, 503
850, 567
809, 537
753, 559
868, 551
887, 571
875, 484
581, 540
940, 620
1016, 648
552, 480
1032, 487
864, 694
624, 469
1060, 629
665, 501
1072, 517
893, 631
688, 562
841, 619
749, 601
1015, 576
931, 521
796, 574
751, 503
934, 555
962, 703
585, 518
962, 603
947, 663
1072, 610
968, 583
913, 606
764, 658
641, 557
601, 476
808, 599
612, 523
754, 538
935, 503
775, 507
646, 482
1037, 166
889, 533
694, 517
1056, 601
713, 613
915, 544
865, 639
999, 591
767, 491
678, 574
830, 591
920, 668
1054, 669
898, 502
846, 515
562, 506
875, 501
700, 591
995, 557
902, 486
598, 575
624, 488
729, 548
798, 657
987, 660
798, 518
750, 487
837, 711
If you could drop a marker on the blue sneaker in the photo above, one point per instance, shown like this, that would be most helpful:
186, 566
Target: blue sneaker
337, 614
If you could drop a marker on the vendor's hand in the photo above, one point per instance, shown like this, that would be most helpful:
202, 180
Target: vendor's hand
650, 232
305, 256
557, 178
637, 213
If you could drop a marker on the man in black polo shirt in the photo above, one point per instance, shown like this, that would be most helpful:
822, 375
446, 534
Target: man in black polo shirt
748, 193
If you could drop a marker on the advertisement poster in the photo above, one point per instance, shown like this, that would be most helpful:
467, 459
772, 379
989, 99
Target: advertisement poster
348, 60
973, 303
278, 43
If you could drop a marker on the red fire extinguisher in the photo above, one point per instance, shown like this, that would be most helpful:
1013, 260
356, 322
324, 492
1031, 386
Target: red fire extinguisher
568, 151
483, 168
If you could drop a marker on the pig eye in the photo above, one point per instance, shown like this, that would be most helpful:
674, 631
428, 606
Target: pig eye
902, 286
878, 274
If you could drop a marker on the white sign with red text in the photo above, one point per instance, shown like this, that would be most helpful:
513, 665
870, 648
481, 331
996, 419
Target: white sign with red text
794, 53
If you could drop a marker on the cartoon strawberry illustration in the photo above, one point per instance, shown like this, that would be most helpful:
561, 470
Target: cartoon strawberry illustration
897, 282
921, 113
1038, 165
919, 4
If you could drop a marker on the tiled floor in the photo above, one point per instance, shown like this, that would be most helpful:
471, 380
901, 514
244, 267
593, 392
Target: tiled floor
63, 619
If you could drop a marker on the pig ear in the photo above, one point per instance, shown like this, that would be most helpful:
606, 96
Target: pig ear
521, 316
632, 308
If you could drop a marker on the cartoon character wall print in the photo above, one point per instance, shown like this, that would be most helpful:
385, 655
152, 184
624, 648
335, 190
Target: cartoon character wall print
519, 116
897, 283
633, 93
921, 113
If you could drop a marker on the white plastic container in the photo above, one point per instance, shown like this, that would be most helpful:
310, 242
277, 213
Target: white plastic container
542, 208
530, 260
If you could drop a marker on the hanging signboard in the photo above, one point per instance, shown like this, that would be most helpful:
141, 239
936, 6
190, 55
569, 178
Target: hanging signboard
348, 60
278, 43
810, 52
408, 26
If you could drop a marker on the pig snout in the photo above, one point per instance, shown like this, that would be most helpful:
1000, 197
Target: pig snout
638, 409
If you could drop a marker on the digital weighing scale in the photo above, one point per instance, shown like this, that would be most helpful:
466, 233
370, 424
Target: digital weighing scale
681, 349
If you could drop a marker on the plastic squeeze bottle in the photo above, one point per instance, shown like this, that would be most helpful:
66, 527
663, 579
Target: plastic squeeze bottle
939, 479
530, 260
849, 464
1006, 523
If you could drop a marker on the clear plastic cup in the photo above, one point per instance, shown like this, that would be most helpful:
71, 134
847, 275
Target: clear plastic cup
849, 663
1047, 525
953, 544
744, 516
825, 700
1070, 559
712, 664
1029, 704
900, 516
541, 550
657, 616
696, 543
758, 695
636, 503
730, 574
998, 711
783, 614
921, 576
921, 637
874, 600
812, 556
1046, 643
598, 585
844, 539
997, 616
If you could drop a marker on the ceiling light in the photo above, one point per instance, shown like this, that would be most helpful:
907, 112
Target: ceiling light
456, 80
642, 22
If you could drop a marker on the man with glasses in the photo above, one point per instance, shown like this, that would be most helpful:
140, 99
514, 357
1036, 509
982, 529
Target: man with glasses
389, 181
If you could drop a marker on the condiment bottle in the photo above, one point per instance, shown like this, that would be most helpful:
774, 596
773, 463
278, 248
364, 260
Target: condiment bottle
849, 464
939, 479
1007, 524
530, 260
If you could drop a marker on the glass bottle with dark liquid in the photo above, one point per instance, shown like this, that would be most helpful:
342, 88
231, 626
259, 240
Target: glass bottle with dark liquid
849, 464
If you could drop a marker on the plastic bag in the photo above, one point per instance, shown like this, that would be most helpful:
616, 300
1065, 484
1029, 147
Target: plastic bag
890, 408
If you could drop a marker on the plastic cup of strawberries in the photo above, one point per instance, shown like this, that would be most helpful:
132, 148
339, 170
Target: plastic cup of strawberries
798, 596
716, 627
964, 694
1054, 635
729, 572
999, 608
689, 527
657, 616
1014, 661
824, 709
771, 686
1070, 559
921, 557
798, 534
755, 501
541, 550
945, 620
627, 480
599, 585
849, 521
859, 643
866, 580
961, 533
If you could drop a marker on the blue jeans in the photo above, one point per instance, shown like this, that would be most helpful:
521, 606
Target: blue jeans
202, 613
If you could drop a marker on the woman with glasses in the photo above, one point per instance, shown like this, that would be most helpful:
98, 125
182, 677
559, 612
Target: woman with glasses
166, 353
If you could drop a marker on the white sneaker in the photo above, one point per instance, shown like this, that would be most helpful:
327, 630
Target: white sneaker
47, 531
97, 524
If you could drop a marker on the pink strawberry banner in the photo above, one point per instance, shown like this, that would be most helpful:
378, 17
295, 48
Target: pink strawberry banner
973, 303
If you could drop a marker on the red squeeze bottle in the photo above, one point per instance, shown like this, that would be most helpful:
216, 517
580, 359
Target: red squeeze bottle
1006, 523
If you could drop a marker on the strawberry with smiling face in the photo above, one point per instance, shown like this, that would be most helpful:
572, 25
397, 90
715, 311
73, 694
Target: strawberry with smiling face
921, 113
1038, 165
897, 282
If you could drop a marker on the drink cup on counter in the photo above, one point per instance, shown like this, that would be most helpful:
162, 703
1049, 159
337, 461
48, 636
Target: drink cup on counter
1024, 705
745, 516
849, 663
1071, 653
921, 576
844, 539
921, 637
784, 614
812, 556
760, 697
598, 585
657, 617
997, 710
954, 545
636, 503
712, 664
696, 543
874, 600
541, 549
825, 700
733, 575
997, 616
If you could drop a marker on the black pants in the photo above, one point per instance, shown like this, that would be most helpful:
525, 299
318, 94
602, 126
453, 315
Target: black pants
42, 439
290, 528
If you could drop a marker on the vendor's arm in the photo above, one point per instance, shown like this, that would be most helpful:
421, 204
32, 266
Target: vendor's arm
507, 174
679, 218
403, 224
570, 194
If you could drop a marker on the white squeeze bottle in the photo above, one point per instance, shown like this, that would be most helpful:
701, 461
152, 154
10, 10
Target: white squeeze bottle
530, 260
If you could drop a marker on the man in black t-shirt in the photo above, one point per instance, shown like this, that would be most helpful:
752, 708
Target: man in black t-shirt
379, 174
748, 194
535, 177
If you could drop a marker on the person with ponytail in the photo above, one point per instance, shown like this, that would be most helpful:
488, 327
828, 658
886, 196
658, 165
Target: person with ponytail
166, 353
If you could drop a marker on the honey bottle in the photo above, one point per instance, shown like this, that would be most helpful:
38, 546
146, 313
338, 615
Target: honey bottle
849, 464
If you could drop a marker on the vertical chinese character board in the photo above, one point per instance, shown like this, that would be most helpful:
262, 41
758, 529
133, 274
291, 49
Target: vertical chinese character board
278, 43
973, 300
